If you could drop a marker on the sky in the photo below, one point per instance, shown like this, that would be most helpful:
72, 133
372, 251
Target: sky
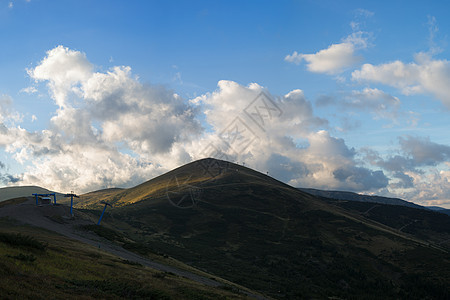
336, 95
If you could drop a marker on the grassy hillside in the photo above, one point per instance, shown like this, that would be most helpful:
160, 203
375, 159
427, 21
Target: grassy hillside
256, 231
179, 180
93, 199
23, 191
38, 264
341, 195
432, 227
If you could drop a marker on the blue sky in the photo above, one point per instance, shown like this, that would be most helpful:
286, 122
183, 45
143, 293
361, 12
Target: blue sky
96, 94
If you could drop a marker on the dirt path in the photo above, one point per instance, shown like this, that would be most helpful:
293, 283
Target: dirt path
41, 216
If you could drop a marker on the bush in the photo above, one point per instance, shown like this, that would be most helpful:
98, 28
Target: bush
22, 241
124, 289
24, 257
138, 248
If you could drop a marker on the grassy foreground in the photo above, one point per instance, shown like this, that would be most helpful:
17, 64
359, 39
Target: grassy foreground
38, 264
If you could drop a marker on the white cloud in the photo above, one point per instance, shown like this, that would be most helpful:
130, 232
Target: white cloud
336, 58
63, 69
381, 104
425, 75
419, 170
364, 12
423, 151
7, 113
377, 102
291, 147
109, 129
29, 90
112, 130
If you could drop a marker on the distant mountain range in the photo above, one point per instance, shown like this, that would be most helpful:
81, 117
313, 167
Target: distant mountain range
350, 196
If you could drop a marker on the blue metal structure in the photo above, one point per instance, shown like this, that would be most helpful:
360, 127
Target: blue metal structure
106, 204
71, 195
45, 195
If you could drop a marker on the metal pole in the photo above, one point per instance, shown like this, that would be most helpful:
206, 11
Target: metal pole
71, 204
102, 214
54, 198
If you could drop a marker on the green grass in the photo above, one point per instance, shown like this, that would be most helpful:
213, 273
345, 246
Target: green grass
38, 264
21, 241
105, 232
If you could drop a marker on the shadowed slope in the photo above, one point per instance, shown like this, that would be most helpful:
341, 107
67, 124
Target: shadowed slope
254, 230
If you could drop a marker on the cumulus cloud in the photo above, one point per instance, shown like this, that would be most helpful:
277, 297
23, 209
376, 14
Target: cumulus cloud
412, 177
424, 152
112, 130
292, 146
381, 104
63, 69
415, 152
6, 178
359, 178
432, 188
7, 112
424, 75
9, 179
336, 58
109, 130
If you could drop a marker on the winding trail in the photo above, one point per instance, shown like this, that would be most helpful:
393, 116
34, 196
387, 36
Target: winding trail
28, 212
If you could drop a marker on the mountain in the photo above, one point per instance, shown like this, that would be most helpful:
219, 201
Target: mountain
439, 209
341, 195
23, 191
258, 232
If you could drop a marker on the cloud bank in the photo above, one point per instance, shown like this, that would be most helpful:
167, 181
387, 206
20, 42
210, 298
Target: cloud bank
111, 130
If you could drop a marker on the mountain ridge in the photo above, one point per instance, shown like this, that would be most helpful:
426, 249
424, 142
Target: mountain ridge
352, 196
253, 230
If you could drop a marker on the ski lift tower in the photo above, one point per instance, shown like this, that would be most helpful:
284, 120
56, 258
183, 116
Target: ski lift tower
106, 204
71, 195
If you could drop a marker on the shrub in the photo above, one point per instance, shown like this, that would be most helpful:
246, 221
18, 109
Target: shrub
24, 257
23, 241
